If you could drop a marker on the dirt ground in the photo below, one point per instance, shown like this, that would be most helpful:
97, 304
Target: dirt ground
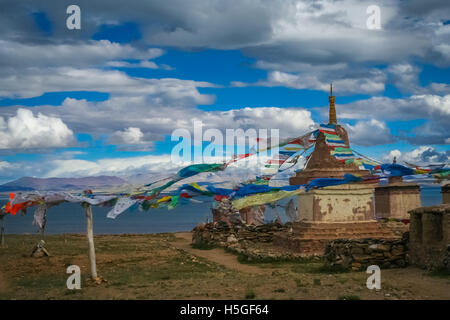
165, 266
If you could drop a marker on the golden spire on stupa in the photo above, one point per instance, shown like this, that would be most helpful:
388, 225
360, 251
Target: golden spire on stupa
333, 119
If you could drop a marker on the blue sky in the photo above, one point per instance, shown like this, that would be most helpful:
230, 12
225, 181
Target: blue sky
105, 99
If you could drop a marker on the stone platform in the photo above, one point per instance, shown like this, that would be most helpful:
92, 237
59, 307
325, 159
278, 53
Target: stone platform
252, 243
311, 238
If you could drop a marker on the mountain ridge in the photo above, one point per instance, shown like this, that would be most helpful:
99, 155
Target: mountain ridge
31, 183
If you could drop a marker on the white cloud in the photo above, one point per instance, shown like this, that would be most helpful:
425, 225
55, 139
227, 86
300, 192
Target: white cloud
434, 108
40, 81
391, 155
79, 54
369, 133
140, 64
130, 135
319, 32
4, 165
367, 82
155, 120
421, 156
414, 107
112, 166
144, 169
27, 131
406, 77
289, 121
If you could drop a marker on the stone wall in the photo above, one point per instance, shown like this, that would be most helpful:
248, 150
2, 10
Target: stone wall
357, 255
251, 243
219, 234
430, 237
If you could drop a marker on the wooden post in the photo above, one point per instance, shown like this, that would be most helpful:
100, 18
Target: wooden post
90, 236
3, 245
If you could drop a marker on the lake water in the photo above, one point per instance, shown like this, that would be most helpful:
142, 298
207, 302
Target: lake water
69, 218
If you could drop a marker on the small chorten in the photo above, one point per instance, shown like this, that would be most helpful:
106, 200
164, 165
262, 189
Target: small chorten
395, 179
397, 198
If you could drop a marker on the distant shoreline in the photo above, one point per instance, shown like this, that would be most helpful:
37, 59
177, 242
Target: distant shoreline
68, 218
4, 195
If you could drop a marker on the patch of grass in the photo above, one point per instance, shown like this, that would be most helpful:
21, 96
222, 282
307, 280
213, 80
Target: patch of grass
299, 283
170, 237
42, 281
440, 273
203, 246
331, 270
280, 290
180, 267
71, 292
250, 294
268, 262
341, 281
349, 297
316, 282
318, 268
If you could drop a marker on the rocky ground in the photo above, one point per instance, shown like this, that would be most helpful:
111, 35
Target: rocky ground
166, 266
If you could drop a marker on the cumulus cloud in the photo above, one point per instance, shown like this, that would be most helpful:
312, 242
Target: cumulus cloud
140, 64
391, 155
146, 120
434, 108
136, 170
369, 133
111, 166
28, 131
406, 77
131, 139
414, 107
130, 135
112, 81
289, 121
79, 54
285, 37
5, 165
278, 30
361, 82
421, 156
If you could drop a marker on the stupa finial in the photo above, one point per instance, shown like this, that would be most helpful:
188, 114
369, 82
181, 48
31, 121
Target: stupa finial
332, 116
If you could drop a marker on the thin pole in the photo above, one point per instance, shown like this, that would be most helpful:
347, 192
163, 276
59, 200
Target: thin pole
90, 236
3, 231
